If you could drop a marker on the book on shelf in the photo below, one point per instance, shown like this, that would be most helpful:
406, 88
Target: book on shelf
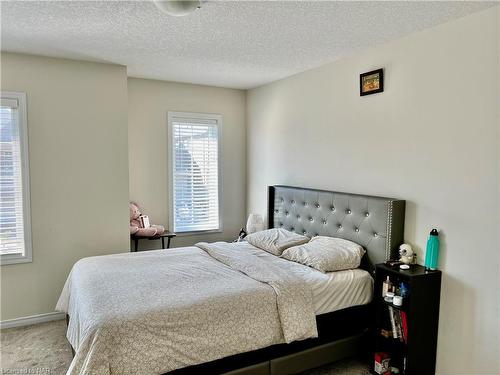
399, 324
393, 322
405, 325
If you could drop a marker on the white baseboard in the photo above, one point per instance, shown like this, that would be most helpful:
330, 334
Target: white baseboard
33, 319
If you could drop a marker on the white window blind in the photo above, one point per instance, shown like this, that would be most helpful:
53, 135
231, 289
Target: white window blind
195, 172
15, 242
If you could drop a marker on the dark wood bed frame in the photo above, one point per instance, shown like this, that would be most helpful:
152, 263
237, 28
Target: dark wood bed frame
341, 334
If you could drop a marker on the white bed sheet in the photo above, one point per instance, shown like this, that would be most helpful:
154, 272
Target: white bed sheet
332, 291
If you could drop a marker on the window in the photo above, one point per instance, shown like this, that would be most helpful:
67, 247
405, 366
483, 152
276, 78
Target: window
194, 171
15, 229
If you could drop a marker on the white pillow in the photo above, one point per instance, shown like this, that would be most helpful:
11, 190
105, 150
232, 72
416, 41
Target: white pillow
275, 240
327, 254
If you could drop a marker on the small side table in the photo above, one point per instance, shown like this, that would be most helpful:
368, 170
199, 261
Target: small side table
415, 353
167, 235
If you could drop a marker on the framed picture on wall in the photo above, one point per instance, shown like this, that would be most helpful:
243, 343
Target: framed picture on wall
371, 82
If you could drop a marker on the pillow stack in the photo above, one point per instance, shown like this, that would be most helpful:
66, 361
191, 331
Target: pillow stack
327, 254
276, 240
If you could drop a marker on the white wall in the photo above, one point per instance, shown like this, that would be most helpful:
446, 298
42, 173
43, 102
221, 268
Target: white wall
149, 102
431, 138
77, 126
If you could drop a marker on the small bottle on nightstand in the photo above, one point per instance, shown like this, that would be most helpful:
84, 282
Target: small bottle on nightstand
386, 286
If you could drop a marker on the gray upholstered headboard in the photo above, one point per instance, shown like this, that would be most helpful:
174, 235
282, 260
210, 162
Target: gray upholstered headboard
376, 223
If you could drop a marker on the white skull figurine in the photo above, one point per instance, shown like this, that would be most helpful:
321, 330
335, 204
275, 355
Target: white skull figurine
406, 254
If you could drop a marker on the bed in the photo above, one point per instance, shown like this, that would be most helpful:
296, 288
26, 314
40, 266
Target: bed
232, 308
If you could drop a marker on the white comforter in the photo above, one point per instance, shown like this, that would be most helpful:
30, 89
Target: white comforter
150, 313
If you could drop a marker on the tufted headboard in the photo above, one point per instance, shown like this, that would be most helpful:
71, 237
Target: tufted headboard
376, 223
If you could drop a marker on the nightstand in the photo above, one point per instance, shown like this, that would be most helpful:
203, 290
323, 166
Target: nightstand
412, 348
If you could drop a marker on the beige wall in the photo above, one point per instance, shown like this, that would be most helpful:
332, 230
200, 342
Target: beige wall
431, 138
149, 102
77, 125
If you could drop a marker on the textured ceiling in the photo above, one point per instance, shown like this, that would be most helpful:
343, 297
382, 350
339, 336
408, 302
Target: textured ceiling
240, 44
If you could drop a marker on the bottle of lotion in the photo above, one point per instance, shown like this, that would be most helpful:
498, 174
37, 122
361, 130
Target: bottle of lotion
386, 286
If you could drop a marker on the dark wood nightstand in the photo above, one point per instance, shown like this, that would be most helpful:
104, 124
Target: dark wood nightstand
417, 318
167, 235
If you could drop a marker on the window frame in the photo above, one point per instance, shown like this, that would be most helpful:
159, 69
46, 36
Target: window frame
171, 115
6, 259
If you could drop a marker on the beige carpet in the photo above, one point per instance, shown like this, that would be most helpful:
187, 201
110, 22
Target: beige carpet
43, 349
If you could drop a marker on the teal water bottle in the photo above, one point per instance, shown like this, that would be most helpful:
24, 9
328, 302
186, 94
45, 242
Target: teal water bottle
432, 251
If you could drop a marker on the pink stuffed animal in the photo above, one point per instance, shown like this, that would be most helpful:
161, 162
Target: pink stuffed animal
136, 225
